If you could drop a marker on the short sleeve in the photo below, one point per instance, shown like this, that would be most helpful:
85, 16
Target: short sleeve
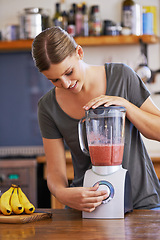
124, 82
137, 92
47, 124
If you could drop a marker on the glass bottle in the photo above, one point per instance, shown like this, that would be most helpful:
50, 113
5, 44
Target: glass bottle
127, 13
79, 20
85, 27
71, 28
95, 21
90, 21
57, 19
64, 20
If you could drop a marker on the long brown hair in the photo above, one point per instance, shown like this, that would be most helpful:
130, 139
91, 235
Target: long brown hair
52, 45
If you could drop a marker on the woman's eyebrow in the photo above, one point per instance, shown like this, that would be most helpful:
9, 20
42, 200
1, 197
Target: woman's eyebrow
55, 79
66, 70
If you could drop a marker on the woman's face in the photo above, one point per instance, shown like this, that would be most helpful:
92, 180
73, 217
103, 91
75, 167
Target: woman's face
69, 74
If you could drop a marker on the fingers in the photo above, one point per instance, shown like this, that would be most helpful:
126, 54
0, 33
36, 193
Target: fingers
95, 187
85, 198
102, 100
89, 209
94, 192
92, 198
90, 204
97, 197
96, 102
105, 101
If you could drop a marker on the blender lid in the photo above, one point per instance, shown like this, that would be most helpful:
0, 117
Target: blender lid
110, 109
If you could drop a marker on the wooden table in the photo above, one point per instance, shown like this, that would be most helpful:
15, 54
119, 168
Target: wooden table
68, 224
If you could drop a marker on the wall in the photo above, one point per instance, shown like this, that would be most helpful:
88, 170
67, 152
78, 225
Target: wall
10, 10
109, 10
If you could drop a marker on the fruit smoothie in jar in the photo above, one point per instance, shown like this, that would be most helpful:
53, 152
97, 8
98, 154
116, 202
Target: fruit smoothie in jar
106, 155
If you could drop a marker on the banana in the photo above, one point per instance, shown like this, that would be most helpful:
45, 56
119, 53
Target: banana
0, 205
6, 208
28, 207
17, 208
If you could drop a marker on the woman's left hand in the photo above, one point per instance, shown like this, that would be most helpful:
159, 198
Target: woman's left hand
146, 118
106, 101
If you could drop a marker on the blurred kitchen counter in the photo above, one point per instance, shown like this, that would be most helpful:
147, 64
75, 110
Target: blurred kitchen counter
155, 157
70, 171
55, 204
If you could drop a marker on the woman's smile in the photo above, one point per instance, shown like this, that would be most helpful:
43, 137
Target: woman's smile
73, 86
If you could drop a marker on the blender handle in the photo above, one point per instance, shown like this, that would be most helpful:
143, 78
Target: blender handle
81, 136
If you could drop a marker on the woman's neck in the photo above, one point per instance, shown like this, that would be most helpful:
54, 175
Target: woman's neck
95, 77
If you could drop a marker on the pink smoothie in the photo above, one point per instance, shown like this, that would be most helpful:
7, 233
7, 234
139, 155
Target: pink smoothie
106, 155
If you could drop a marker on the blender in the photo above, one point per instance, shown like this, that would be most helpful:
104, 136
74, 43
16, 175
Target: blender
101, 136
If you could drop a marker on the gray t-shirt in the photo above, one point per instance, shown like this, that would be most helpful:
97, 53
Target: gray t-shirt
55, 123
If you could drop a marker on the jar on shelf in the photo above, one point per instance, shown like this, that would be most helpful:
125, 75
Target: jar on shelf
32, 22
132, 17
95, 25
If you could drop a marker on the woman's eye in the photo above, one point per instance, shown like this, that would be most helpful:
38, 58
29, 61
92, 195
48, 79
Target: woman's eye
55, 80
68, 74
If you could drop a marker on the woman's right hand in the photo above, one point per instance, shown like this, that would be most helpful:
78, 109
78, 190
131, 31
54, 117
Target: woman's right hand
82, 198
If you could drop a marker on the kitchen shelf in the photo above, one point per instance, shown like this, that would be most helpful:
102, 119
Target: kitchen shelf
85, 41
116, 40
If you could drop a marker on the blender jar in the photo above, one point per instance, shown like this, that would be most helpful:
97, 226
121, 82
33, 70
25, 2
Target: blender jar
105, 135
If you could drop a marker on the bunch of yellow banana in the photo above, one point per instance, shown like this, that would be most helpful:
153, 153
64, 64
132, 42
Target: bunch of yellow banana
14, 200
28, 206
5, 202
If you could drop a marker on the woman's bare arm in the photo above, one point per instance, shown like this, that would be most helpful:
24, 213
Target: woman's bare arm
84, 199
146, 118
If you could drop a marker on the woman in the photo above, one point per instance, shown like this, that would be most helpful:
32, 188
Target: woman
79, 86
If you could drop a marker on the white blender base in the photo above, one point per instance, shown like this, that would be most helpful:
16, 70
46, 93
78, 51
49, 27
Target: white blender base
115, 207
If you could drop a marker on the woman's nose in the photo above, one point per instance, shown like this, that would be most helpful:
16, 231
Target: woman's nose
65, 82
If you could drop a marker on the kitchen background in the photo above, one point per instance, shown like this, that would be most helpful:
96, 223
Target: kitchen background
10, 12
129, 54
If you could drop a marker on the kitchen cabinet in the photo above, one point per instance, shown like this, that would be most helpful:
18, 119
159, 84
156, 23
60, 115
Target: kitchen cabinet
21, 172
85, 41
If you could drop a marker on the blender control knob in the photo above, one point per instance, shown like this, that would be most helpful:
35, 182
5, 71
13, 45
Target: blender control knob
104, 185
